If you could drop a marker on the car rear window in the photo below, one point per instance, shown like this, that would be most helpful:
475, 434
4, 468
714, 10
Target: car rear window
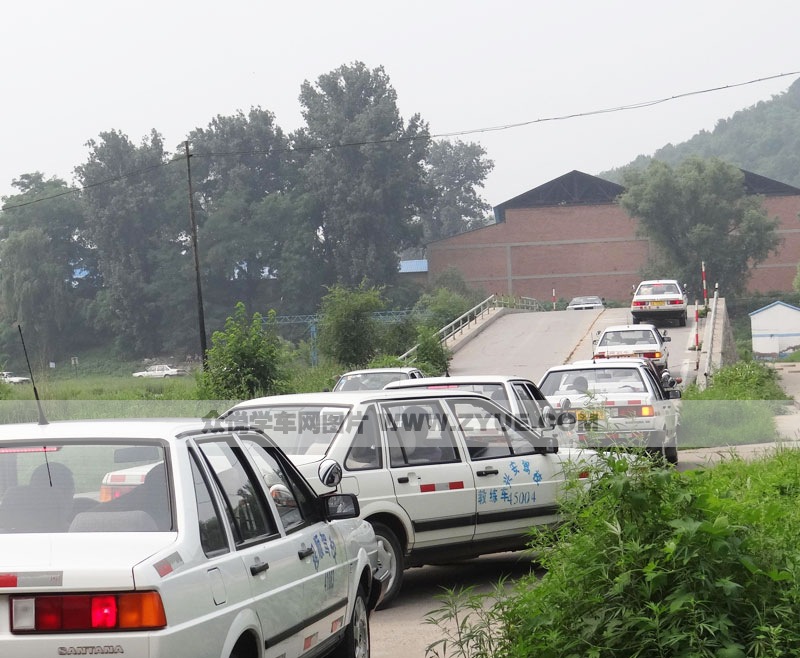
89, 487
595, 381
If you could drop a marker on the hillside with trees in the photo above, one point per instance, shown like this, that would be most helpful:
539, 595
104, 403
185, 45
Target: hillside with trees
764, 139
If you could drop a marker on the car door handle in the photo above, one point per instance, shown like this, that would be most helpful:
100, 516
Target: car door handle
403, 479
303, 553
258, 567
487, 471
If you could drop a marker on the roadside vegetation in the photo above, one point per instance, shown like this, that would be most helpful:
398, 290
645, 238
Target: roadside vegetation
649, 562
738, 408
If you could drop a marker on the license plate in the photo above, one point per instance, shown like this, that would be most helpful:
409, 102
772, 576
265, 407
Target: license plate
589, 415
657, 303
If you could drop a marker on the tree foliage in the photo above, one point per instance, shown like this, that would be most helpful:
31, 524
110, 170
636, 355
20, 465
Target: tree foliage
699, 212
246, 360
369, 178
454, 171
348, 333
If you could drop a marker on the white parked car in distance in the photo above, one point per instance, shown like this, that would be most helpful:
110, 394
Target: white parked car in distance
374, 379
440, 474
659, 299
618, 403
11, 378
642, 341
216, 547
161, 370
587, 302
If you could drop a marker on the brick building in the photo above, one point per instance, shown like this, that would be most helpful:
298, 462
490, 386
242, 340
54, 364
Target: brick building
571, 236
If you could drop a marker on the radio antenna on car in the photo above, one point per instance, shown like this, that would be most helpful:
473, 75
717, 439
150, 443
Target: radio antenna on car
42, 419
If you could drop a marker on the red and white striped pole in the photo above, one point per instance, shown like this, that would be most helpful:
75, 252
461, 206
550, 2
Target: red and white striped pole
554, 299
705, 290
696, 326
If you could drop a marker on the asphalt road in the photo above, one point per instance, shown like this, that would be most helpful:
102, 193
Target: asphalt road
527, 344
401, 631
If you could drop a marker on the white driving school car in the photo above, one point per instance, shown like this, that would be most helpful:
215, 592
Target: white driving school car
221, 549
440, 474
659, 299
623, 341
619, 403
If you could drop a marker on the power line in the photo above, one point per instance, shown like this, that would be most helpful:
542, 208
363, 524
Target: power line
424, 136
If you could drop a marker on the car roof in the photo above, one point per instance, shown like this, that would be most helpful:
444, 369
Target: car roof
602, 363
111, 429
369, 371
455, 379
347, 398
629, 327
656, 281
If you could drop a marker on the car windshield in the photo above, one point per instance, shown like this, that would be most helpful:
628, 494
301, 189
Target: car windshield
371, 381
628, 337
593, 381
305, 429
658, 289
83, 487
585, 300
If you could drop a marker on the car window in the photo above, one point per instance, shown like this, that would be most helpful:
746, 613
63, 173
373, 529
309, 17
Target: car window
418, 433
297, 429
289, 500
212, 533
593, 381
84, 487
654, 384
245, 506
530, 403
489, 433
365, 451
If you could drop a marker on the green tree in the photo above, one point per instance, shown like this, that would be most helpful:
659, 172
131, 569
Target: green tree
137, 222
699, 211
47, 271
238, 161
454, 171
349, 333
368, 178
246, 360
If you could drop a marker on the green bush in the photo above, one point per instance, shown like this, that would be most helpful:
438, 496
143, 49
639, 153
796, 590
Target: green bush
650, 562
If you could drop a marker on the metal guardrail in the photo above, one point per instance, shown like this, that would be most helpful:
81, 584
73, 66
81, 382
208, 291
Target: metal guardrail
473, 315
708, 343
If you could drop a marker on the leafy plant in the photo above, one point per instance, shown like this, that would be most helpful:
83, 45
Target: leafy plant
246, 360
348, 332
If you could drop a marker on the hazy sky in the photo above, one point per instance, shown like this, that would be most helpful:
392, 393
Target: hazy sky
73, 70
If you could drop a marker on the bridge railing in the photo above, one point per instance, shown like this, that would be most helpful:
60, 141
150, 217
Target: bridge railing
476, 313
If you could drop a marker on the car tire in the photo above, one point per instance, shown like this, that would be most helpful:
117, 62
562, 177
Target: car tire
671, 454
682, 320
635, 320
356, 636
395, 551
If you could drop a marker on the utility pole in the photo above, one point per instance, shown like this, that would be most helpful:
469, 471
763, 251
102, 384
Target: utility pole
193, 224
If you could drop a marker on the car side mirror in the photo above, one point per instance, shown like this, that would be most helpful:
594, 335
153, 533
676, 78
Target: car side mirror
341, 506
667, 339
330, 473
674, 394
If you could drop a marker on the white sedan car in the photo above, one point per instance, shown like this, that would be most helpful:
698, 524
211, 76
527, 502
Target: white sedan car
374, 378
441, 474
221, 549
659, 299
617, 403
642, 341
161, 370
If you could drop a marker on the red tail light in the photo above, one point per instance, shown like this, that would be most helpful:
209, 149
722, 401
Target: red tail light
638, 304
652, 355
73, 613
675, 301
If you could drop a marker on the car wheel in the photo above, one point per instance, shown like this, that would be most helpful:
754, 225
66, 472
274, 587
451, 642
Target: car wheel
356, 635
635, 320
395, 551
682, 321
671, 454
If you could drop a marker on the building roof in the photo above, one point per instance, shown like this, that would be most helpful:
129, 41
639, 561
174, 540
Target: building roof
778, 303
572, 188
578, 188
755, 184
